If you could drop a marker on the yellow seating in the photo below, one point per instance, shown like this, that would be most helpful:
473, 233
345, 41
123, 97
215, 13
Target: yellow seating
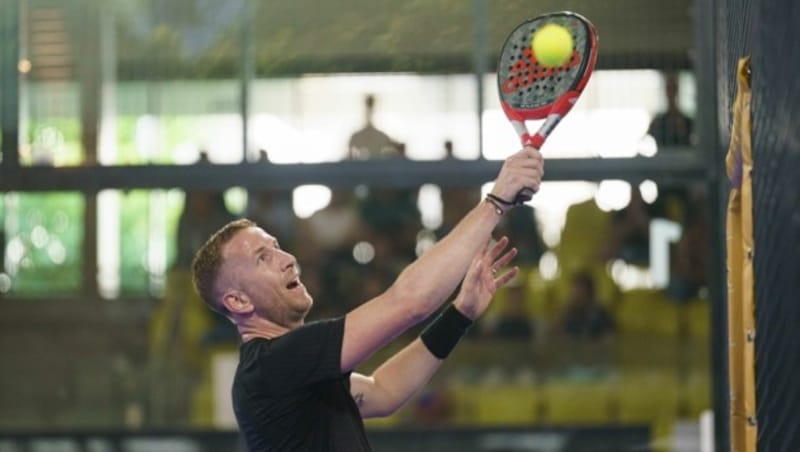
646, 396
699, 318
578, 402
507, 405
648, 311
585, 232
463, 403
697, 392
503, 404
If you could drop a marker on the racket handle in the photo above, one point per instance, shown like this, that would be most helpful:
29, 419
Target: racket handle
524, 195
536, 141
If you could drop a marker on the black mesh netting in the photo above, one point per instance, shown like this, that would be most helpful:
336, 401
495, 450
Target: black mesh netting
768, 31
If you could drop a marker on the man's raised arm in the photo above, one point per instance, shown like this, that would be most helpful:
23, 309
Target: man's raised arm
427, 282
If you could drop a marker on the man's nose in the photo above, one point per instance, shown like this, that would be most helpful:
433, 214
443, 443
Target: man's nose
288, 260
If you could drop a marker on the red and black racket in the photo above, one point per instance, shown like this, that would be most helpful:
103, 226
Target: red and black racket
529, 90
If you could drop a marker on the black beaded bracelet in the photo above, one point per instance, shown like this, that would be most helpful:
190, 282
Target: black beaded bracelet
501, 200
497, 207
442, 335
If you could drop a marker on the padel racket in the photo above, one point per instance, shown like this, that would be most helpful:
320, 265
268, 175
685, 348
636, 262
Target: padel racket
529, 90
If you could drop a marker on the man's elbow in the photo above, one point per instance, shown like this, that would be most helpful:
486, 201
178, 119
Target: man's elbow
386, 409
386, 402
379, 413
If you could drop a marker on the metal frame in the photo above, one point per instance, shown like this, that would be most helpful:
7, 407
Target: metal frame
674, 167
709, 140
9, 86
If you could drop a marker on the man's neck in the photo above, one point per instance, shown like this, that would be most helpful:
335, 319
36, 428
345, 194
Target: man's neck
257, 327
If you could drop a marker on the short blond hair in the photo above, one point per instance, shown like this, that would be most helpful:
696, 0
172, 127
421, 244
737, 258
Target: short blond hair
208, 261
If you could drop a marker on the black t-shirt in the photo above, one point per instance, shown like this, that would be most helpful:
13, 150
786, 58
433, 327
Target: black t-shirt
289, 393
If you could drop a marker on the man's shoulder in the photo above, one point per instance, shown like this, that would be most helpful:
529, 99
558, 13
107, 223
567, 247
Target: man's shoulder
283, 352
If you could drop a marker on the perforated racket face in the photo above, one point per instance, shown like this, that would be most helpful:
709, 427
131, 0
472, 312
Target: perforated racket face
523, 83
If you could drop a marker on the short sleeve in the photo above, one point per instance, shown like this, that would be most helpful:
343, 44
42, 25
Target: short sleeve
304, 356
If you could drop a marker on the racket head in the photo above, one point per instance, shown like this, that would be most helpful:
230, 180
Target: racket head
529, 90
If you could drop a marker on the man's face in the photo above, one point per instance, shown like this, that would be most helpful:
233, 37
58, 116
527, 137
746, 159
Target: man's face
256, 266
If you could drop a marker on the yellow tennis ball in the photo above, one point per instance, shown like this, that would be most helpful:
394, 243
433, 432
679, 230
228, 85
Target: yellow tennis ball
552, 45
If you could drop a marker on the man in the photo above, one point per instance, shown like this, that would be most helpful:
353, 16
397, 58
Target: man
369, 142
672, 127
294, 387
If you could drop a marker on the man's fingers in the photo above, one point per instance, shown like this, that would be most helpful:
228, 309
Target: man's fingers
505, 258
527, 155
496, 249
528, 175
503, 279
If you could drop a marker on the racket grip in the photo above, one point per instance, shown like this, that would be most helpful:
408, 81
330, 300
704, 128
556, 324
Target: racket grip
536, 141
524, 195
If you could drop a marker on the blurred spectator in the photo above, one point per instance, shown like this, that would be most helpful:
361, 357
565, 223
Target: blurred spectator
456, 201
448, 149
689, 272
337, 225
370, 142
513, 321
393, 221
522, 230
328, 238
630, 232
672, 127
204, 212
583, 316
272, 210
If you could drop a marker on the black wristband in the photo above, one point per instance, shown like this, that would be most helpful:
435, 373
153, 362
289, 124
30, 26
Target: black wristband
442, 335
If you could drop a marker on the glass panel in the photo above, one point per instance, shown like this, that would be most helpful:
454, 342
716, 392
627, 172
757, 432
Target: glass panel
130, 100
144, 236
159, 82
327, 118
44, 240
363, 35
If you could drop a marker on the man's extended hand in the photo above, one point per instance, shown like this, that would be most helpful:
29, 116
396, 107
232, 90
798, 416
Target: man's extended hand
484, 277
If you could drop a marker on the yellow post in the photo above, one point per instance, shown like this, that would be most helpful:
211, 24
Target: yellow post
741, 291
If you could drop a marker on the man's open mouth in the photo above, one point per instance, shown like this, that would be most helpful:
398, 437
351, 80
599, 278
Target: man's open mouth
293, 284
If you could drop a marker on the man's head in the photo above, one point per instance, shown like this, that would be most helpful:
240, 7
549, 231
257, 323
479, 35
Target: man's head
241, 272
671, 89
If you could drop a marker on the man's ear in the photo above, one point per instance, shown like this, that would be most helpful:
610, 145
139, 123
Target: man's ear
237, 302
